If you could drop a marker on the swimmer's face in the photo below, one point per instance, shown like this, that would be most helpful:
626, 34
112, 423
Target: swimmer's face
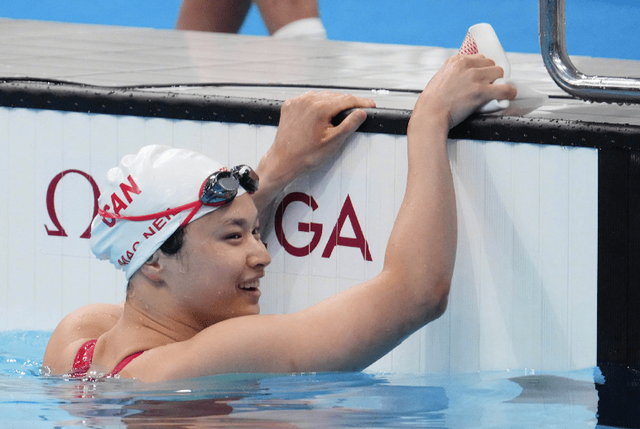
215, 276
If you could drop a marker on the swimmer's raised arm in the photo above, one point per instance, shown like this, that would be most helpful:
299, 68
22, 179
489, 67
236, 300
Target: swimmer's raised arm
354, 328
306, 138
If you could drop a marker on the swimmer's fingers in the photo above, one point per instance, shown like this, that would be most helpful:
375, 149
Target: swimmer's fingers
476, 60
306, 136
338, 102
348, 101
351, 123
328, 105
356, 116
487, 71
491, 86
461, 86
504, 91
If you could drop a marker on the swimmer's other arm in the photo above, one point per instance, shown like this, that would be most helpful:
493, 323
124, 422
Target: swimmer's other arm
305, 140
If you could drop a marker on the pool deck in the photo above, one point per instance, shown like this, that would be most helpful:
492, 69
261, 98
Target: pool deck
197, 63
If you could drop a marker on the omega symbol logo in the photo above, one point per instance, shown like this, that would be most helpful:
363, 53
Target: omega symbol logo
57, 229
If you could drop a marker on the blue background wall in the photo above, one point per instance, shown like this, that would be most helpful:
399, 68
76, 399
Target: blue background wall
598, 28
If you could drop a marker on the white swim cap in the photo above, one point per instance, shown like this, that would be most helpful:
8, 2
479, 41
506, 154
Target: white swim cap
146, 199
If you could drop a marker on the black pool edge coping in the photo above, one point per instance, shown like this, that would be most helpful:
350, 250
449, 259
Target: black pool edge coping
171, 105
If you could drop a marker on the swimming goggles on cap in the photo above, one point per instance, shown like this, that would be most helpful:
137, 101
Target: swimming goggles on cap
217, 189
222, 186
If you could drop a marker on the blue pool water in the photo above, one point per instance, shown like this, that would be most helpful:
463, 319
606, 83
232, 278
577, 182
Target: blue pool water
596, 28
508, 399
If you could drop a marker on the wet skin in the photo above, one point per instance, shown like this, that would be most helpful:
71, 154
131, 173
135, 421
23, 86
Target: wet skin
216, 275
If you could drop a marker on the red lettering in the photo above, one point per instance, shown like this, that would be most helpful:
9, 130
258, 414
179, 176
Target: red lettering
110, 222
150, 233
302, 226
159, 223
132, 187
336, 239
126, 259
51, 209
118, 204
347, 212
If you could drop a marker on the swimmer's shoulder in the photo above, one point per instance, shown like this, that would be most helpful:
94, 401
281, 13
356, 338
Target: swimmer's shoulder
246, 344
84, 324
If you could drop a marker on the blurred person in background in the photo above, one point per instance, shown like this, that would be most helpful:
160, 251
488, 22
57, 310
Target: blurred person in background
282, 18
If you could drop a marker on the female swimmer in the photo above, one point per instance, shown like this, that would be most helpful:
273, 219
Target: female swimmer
194, 259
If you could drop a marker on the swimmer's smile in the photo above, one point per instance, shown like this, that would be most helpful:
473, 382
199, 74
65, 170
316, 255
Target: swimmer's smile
251, 287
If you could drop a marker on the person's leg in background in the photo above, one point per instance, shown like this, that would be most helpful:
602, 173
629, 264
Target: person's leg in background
282, 18
292, 18
220, 16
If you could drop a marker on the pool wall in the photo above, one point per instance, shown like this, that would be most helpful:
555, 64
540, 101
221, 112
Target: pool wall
525, 283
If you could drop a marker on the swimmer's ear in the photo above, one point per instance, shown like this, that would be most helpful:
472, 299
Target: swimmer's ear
152, 268
153, 259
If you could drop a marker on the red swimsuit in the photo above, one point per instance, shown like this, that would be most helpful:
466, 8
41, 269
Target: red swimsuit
84, 357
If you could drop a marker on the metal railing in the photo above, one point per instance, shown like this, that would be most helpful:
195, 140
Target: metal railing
564, 73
